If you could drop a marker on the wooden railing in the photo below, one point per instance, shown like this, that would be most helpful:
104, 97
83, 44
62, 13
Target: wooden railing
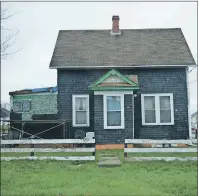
33, 149
159, 150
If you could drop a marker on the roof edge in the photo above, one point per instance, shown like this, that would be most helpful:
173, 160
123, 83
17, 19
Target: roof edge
130, 66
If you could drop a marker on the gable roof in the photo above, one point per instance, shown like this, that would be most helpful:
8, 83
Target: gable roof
134, 47
122, 83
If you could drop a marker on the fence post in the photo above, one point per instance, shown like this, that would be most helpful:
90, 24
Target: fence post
125, 153
32, 146
64, 134
94, 153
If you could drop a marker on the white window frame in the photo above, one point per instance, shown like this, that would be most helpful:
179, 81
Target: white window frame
157, 108
105, 110
74, 111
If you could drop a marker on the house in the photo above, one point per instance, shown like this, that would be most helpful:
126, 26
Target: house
5, 115
28, 102
194, 122
123, 83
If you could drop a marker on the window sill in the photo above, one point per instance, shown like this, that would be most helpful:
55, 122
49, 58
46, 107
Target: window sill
154, 124
114, 127
80, 125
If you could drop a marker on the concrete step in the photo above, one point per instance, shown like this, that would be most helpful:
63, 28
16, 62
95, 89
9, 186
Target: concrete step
109, 162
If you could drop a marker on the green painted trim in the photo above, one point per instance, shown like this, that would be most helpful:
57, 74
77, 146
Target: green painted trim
112, 72
99, 88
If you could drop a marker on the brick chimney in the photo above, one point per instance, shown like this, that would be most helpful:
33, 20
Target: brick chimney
115, 26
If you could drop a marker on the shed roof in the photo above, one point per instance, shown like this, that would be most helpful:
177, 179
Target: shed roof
34, 90
134, 47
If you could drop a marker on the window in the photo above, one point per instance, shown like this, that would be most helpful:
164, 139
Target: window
17, 106
26, 105
80, 110
21, 106
157, 109
114, 111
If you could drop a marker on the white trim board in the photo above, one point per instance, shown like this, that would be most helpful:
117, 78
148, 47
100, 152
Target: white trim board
188, 101
134, 150
70, 158
150, 141
129, 92
49, 141
3, 150
161, 159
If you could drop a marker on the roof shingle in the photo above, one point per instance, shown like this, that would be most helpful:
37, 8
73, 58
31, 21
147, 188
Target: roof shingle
95, 48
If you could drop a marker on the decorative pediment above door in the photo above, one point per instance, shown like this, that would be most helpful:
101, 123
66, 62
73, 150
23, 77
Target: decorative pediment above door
114, 80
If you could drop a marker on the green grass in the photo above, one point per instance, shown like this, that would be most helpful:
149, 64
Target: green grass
48, 178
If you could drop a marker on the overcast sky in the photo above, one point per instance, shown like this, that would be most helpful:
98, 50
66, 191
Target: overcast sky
39, 24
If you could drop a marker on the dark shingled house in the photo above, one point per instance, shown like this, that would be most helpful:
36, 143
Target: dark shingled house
124, 83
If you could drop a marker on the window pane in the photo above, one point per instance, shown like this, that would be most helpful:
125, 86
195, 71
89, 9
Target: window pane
149, 103
150, 116
113, 118
17, 106
165, 116
113, 103
80, 103
165, 102
81, 117
26, 105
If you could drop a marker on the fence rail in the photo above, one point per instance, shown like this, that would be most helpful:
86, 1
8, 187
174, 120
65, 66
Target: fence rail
150, 141
158, 150
48, 141
32, 150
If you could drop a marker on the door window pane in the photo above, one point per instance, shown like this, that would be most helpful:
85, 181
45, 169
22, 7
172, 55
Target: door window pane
80, 104
113, 103
114, 118
81, 117
165, 116
165, 109
149, 109
150, 116
113, 111
165, 102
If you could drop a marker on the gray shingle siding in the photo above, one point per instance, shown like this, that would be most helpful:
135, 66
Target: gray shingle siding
150, 80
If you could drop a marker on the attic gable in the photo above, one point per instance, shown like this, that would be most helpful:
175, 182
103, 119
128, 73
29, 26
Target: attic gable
113, 80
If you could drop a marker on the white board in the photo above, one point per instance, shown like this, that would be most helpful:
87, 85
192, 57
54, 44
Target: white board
49, 141
3, 150
150, 141
71, 158
160, 150
161, 159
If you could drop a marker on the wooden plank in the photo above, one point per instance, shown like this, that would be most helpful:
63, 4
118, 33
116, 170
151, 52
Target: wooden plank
71, 158
149, 141
47, 150
128, 150
49, 141
161, 159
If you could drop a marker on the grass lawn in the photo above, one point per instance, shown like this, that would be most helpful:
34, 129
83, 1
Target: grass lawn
46, 178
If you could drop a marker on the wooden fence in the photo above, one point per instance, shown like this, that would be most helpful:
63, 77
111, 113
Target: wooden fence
33, 149
159, 150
